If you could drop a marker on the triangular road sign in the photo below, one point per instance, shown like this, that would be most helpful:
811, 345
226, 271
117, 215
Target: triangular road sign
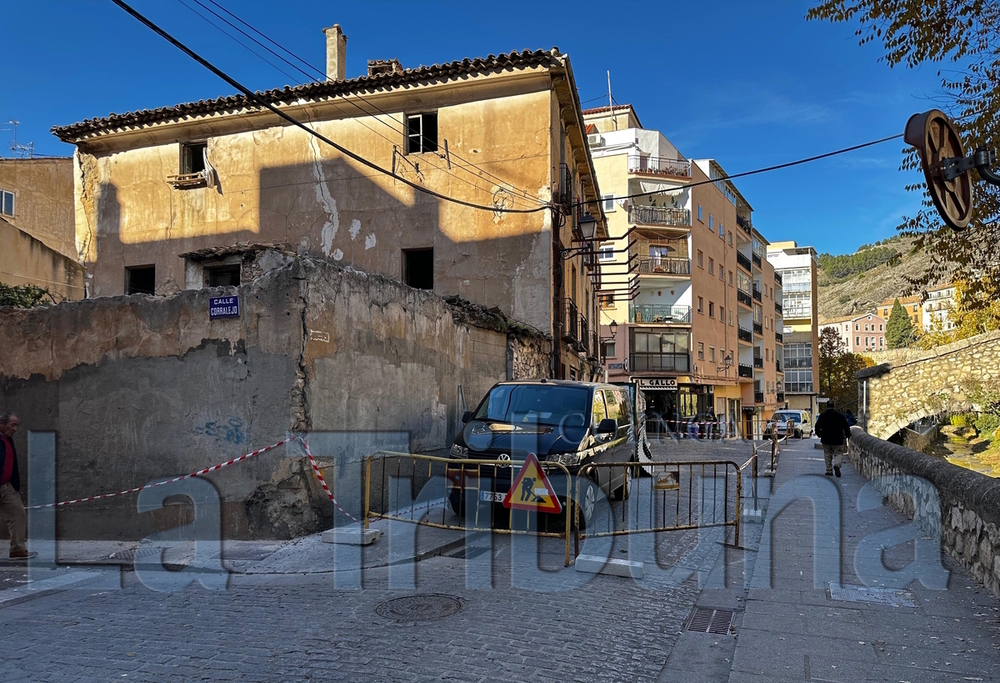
531, 489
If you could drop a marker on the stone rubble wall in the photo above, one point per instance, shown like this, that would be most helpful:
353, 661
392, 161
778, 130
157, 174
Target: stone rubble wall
930, 383
969, 502
140, 387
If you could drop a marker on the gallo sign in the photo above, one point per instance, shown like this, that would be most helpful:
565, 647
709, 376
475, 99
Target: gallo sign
657, 383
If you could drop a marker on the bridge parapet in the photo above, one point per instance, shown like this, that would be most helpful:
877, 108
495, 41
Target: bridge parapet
922, 383
969, 502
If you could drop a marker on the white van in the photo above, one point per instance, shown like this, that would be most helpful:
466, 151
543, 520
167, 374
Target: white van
801, 419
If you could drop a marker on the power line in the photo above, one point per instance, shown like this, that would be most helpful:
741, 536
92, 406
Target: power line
401, 130
350, 101
283, 115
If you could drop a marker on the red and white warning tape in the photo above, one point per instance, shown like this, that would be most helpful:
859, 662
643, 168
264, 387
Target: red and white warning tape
202, 472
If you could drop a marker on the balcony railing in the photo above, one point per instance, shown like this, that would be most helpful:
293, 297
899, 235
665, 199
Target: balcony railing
778, 337
659, 362
777, 278
743, 261
745, 371
799, 387
758, 362
638, 163
755, 257
781, 397
777, 308
757, 295
659, 215
758, 397
744, 224
664, 266
571, 320
798, 363
585, 334
758, 328
743, 298
744, 335
658, 313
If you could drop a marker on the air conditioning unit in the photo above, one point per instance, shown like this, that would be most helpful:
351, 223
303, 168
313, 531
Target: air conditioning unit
595, 140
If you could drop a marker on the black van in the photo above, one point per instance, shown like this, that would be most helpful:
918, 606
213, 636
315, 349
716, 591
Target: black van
572, 423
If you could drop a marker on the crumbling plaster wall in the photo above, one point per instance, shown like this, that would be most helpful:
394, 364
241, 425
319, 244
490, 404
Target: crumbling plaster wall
140, 387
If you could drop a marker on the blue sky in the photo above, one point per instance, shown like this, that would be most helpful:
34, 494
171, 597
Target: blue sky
750, 84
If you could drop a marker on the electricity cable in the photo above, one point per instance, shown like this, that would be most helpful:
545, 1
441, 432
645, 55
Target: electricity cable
260, 101
401, 130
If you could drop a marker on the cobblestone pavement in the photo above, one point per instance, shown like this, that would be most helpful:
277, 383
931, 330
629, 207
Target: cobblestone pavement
554, 624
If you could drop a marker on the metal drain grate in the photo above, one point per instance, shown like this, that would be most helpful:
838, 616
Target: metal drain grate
419, 608
707, 620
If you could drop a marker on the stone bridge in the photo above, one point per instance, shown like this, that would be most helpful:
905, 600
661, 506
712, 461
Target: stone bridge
913, 383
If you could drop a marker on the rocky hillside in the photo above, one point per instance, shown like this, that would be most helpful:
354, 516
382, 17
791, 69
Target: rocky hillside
856, 283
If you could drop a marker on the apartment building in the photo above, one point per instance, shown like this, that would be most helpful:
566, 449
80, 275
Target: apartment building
912, 305
689, 306
158, 191
860, 334
797, 266
937, 308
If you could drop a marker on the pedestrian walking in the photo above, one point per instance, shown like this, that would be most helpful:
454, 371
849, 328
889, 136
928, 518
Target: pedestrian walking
11, 507
849, 416
834, 433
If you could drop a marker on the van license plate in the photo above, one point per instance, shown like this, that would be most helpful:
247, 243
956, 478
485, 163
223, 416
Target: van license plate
492, 496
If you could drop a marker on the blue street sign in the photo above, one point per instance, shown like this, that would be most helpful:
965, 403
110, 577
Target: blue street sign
223, 307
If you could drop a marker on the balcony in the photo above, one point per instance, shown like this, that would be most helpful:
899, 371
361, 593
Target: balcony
743, 298
778, 337
743, 261
781, 397
745, 371
777, 278
758, 397
571, 319
745, 335
755, 257
777, 365
757, 295
758, 362
648, 165
758, 328
799, 387
777, 308
584, 335
744, 224
660, 265
659, 362
659, 215
657, 313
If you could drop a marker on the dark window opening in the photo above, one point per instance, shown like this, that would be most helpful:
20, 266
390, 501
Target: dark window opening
140, 280
223, 276
421, 133
418, 268
193, 157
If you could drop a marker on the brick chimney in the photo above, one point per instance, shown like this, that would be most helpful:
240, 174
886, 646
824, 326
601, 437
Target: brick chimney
336, 53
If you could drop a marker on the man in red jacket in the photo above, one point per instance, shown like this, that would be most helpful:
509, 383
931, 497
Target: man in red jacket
11, 507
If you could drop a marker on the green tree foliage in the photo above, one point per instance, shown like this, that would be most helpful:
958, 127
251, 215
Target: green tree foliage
24, 296
965, 33
846, 265
899, 328
837, 368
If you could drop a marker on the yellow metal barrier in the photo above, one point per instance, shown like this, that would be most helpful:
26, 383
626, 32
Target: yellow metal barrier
461, 477
671, 487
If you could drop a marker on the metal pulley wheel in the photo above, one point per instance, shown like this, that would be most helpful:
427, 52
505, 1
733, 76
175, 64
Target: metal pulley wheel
936, 140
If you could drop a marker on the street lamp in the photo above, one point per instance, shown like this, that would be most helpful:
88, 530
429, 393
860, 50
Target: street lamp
587, 225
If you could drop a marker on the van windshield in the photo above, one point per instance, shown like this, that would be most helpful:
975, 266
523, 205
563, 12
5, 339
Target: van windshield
785, 417
535, 403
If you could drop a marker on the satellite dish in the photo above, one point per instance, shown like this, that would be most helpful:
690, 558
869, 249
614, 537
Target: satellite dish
936, 140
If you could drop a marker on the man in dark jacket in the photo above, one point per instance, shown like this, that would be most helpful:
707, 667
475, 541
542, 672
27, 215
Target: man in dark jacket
833, 432
11, 507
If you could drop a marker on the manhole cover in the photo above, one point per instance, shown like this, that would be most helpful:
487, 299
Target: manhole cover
879, 596
419, 608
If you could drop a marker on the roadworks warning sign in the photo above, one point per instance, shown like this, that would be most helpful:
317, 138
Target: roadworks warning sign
531, 489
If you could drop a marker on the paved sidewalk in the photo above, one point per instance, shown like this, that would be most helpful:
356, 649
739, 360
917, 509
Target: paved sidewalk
793, 630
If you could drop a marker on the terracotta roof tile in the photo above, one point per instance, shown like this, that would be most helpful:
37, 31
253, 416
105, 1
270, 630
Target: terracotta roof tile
312, 91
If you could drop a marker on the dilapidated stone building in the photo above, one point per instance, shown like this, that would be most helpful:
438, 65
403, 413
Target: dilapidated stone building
157, 188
